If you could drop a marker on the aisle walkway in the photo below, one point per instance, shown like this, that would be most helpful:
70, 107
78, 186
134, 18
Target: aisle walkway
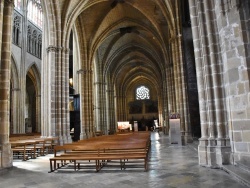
169, 166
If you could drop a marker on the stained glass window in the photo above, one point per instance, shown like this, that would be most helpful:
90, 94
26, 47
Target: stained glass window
18, 4
142, 93
16, 30
35, 12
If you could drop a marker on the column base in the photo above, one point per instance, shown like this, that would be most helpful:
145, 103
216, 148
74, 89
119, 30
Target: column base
211, 153
214, 153
6, 156
202, 151
188, 138
83, 136
90, 134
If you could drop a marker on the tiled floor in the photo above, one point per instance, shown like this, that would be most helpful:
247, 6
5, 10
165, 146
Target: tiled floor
169, 166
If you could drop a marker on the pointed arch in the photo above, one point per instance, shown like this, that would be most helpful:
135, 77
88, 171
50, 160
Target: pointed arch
33, 99
14, 97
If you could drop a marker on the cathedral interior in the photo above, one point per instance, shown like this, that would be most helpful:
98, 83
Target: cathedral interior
82, 66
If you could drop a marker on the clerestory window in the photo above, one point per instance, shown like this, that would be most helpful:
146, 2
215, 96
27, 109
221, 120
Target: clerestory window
35, 13
16, 30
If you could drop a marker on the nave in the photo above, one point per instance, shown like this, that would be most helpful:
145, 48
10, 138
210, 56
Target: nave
169, 166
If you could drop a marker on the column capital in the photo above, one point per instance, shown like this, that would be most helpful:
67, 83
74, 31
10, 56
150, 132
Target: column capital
99, 83
15, 89
84, 71
173, 38
51, 48
9, 2
66, 50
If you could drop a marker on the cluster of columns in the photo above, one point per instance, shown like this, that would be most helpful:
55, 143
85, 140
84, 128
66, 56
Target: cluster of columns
6, 12
87, 106
214, 148
177, 92
55, 100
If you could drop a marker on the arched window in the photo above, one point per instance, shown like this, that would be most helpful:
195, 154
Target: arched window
18, 4
29, 43
39, 46
34, 43
35, 12
142, 93
16, 30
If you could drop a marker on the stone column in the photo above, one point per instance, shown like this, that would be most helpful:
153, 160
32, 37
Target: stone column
203, 141
111, 109
1, 26
5, 68
48, 103
103, 110
175, 75
183, 92
65, 96
22, 75
180, 88
38, 113
90, 102
213, 151
99, 107
87, 102
58, 93
165, 109
82, 75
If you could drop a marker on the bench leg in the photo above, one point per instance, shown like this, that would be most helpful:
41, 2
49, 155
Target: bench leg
146, 164
97, 165
51, 170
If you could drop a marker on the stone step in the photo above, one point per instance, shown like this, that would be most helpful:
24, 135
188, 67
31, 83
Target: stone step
237, 173
243, 166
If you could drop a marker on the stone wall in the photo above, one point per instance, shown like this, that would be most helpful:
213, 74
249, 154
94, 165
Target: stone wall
233, 28
221, 40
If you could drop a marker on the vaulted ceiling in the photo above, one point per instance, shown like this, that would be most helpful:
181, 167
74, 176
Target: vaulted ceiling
129, 37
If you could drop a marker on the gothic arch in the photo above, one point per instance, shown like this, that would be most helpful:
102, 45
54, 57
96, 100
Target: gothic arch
14, 97
33, 100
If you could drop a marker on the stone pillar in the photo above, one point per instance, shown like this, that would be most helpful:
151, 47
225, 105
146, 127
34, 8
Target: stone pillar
213, 149
82, 75
87, 102
180, 88
203, 141
38, 113
58, 93
111, 109
48, 102
99, 107
183, 93
55, 94
165, 109
90, 102
5, 68
65, 97
1, 26
22, 75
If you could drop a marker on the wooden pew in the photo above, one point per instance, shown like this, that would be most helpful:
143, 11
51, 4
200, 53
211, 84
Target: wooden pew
31, 146
102, 151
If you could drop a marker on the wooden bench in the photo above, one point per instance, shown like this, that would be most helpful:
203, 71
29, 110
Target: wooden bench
99, 158
102, 151
31, 146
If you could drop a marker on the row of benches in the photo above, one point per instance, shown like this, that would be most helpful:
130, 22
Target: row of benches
125, 148
31, 146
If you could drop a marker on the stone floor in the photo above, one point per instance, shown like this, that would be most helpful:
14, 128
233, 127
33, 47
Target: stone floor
169, 166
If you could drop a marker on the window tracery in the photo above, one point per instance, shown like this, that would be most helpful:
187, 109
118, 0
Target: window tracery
142, 93
35, 13
18, 4
29, 44
16, 30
